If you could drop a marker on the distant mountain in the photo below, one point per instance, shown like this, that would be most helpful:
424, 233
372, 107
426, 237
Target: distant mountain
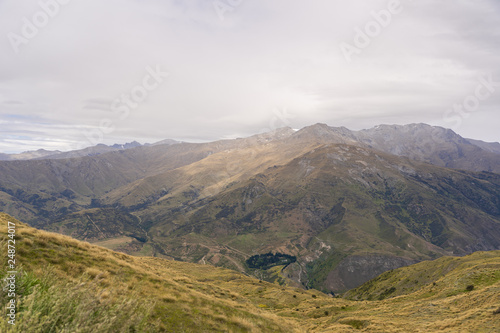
89, 151
432, 144
348, 204
93, 151
493, 147
129, 145
28, 155
163, 142
421, 142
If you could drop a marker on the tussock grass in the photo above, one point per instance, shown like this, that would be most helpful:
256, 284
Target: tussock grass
64, 285
83, 307
69, 286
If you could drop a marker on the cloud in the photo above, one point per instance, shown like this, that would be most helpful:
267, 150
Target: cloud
227, 77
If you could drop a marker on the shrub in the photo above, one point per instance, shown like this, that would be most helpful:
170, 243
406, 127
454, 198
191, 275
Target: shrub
268, 260
357, 324
470, 287
386, 293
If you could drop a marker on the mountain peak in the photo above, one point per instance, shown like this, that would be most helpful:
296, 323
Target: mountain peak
127, 145
282, 131
417, 132
326, 134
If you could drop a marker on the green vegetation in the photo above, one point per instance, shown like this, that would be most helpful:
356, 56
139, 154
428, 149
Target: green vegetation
357, 324
268, 260
319, 269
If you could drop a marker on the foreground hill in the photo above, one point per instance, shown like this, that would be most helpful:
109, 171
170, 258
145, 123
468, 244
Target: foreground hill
65, 285
469, 272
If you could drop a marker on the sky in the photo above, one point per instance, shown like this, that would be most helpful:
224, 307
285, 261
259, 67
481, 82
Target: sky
75, 73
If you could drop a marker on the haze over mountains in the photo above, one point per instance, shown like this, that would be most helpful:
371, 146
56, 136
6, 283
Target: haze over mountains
56, 154
348, 204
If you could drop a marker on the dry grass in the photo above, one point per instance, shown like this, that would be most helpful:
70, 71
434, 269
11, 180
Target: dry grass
114, 243
71, 286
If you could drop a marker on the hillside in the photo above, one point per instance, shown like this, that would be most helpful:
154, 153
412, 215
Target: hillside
432, 144
479, 269
38, 191
66, 285
421, 142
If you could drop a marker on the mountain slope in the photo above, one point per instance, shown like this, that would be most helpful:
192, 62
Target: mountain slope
420, 142
493, 147
330, 196
330, 206
91, 289
431, 144
40, 191
88, 288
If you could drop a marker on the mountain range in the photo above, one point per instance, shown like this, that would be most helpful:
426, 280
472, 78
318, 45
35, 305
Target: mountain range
349, 205
56, 154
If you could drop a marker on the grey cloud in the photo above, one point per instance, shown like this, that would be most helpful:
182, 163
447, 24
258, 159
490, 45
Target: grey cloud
227, 76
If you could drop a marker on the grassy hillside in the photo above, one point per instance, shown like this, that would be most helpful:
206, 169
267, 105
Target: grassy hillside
65, 285
68, 285
479, 269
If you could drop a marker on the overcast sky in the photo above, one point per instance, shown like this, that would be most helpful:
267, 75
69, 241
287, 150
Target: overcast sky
76, 73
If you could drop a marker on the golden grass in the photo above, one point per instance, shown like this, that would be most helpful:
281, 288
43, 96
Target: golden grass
71, 286
114, 243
